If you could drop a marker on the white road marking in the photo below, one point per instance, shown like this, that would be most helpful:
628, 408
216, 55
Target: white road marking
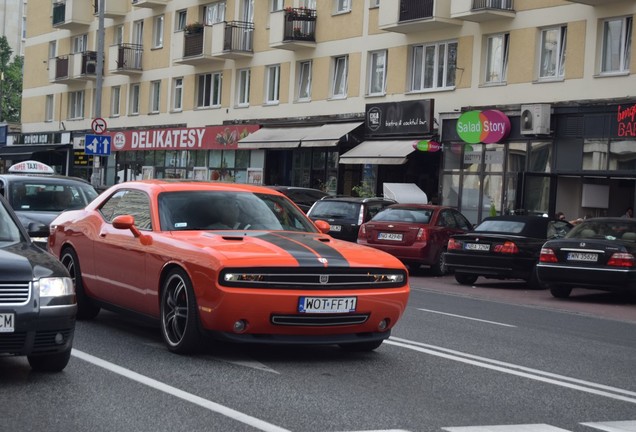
509, 368
615, 426
173, 391
507, 428
467, 317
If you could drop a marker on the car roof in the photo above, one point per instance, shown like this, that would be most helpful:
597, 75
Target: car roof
54, 179
356, 199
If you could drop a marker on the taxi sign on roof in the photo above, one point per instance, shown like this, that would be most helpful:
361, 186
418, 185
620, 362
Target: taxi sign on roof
31, 167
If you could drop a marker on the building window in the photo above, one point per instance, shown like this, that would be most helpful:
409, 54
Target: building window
134, 99
433, 66
52, 49
374, 3
80, 43
114, 101
341, 6
339, 81
177, 94
209, 90
76, 105
304, 81
273, 85
155, 96
376, 73
497, 58
48, 112
118, 35
214, 13
553, 41
157, 32
617, 44
180, 20
243, 88
276, 5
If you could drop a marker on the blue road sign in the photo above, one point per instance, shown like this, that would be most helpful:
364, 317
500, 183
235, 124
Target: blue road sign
98, 145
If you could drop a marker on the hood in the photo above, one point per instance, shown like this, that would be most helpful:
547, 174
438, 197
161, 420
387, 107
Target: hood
40, 217
24, 262
295, 249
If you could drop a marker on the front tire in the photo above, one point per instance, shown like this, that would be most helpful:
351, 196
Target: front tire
560, 292
179, 318
49, 362
86, 309
466, 278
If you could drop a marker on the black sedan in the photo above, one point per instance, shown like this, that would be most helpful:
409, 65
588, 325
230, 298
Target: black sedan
502, 247
37, 297
597, 254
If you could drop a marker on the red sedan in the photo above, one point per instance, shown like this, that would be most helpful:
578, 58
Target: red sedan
417, 234
240, 262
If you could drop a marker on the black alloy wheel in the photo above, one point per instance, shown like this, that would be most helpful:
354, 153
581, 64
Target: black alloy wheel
179, 318
439, 268
86, 309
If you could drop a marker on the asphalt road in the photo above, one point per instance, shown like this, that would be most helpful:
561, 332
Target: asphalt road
461, 358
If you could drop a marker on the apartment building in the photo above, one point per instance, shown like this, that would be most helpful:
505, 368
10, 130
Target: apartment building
13, 24
512, 104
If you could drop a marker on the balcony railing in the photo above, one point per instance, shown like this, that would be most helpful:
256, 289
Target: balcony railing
193, 43
300, 25
239, 36
129, 57
75, 67
61, 67
507, 5
416, 9
59, 13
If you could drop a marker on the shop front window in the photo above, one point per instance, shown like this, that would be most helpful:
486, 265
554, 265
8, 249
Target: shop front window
472, 157
595, 155
510, 194
622, 156
491, 195
450, 190
452, 156
222, 166
540, 157
537, 194
494, 158
517, 154
470, 197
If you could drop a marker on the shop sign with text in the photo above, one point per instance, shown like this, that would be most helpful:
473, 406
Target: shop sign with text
488, 126
626, 118
203, 138
399, 118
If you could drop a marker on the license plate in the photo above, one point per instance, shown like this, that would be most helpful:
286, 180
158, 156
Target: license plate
390, 236
477, 247
581, 256
335, 228
327, 304
7, 322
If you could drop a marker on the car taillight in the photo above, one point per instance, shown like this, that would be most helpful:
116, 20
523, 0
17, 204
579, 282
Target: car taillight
362, 232
548, 255
421, 235
454, 244
507, 248
620, 259
361, 216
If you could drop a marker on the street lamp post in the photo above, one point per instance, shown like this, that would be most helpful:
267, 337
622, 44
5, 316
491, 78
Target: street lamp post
96, 177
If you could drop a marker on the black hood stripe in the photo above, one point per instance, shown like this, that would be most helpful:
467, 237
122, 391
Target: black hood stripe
306, 250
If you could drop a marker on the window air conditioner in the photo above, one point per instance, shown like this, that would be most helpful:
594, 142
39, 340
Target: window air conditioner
535, 119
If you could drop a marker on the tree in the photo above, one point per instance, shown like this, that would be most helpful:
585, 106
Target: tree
10, 83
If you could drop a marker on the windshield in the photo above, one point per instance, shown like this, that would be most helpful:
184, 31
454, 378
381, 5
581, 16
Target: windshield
9, 232
37, 194
223, 210
404, 215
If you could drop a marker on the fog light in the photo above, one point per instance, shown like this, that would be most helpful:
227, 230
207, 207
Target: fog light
383, 324
240, 326
59, 339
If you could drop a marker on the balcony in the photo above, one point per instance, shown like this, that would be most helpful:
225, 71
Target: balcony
150, 3
72, 14
596, 2
233, 39
73, 67
293, 29
125, 59
410, 16
194, 47
113, 8
482, 10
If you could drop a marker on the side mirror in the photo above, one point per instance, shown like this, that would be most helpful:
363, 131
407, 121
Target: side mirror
323, 226
37, 229
128, 222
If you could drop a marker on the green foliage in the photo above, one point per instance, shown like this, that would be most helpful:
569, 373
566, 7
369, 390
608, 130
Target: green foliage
11, 85
363, 190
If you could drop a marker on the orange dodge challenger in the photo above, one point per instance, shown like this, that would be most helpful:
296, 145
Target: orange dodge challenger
239, 262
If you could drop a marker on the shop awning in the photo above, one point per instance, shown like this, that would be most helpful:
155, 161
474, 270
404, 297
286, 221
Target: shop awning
27, 150
328, 135
272, 138
379, 153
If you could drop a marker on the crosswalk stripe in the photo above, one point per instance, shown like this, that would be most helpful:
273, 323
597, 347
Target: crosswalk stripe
507, 428
614, 426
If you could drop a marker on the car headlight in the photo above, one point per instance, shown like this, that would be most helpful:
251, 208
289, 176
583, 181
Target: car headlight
55, 286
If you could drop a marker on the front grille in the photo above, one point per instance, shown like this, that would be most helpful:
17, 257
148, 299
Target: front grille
14, 293
12, 342
45, 340
319, 320
314, 279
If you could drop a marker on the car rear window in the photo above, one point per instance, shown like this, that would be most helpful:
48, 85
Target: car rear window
404, 215
501, 226
609, 230
335, 210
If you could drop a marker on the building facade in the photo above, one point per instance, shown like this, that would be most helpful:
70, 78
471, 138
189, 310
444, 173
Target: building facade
338, 94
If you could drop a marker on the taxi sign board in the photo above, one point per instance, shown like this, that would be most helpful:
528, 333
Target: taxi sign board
31, 167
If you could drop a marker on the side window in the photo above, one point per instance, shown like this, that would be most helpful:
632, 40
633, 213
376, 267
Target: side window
462, 222
372, 210
137, 204
108, 208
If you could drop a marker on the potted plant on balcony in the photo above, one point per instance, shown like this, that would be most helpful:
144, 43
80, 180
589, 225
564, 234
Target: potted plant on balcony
193, 28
